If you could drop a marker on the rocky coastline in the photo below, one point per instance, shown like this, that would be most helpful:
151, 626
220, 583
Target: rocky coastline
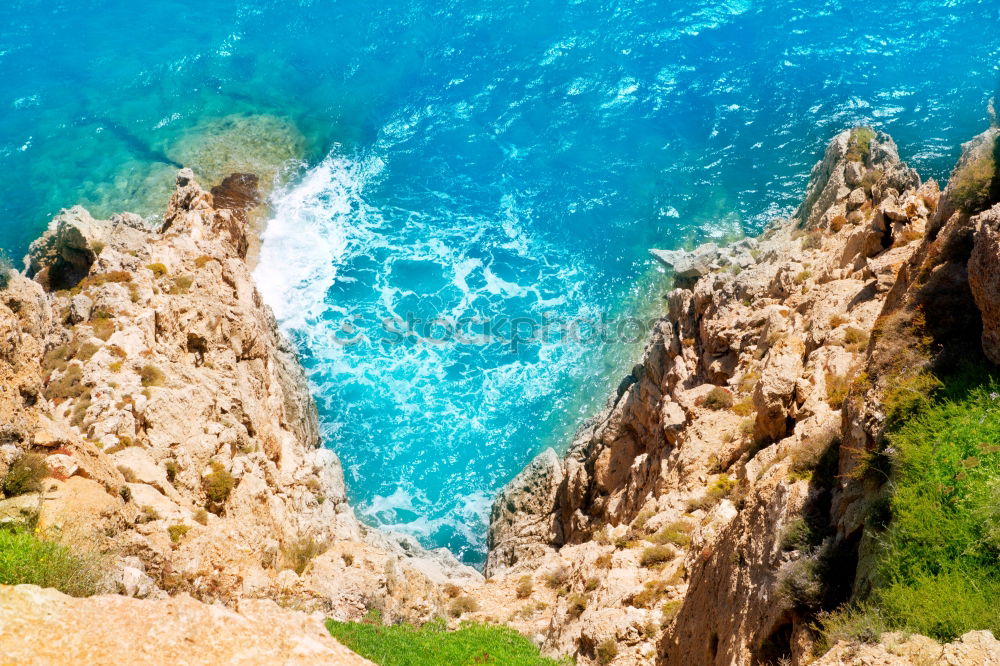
182, 448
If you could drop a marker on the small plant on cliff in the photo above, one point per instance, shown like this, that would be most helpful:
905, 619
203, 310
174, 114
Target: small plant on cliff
218, 484
27, 559
150, 375
859, 145
855, 339
181, 285
25, 475
576, 603
651, 594
462, 605
557, 579
656, 556
718, 398
300, 553
606, 651
6, 267
837, 387
677, 533
970, 185
158, 269
524, 587
177, 532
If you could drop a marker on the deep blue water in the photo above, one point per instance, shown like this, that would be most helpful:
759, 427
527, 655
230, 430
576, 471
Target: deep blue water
458, 160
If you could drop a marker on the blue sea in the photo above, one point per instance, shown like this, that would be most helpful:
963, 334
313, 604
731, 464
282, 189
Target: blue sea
463, 193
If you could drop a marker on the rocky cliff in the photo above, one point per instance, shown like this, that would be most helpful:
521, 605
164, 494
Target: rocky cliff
674, 529
175, 425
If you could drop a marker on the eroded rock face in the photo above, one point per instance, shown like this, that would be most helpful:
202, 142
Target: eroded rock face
43, 626
984, 278
176, 421
672, 504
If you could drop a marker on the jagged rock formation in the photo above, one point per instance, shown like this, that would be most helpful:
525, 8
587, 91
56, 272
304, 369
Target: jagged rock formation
671, 523
176, 422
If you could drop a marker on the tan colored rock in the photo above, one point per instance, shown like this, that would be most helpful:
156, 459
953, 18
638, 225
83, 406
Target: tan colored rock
42, 626
984, 278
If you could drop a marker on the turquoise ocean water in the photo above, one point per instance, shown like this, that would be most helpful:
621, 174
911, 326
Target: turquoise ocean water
442, 165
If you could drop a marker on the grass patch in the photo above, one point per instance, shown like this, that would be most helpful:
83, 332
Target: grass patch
859, 145
970, 186
150, 375
937, 570
218, 484
718, 398
25, 475
432, 644
26, 559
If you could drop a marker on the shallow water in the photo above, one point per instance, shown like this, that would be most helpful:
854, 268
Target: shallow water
483, 161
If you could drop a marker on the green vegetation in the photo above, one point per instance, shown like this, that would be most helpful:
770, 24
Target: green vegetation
150, 375
432, 644
26, 559
859, 146
158, 269
718, 398
300, 553
182, 284
218, 484
656, 556
971, 184
6, 267
25, 475
524, 587
606, 652
938, 566
177, 532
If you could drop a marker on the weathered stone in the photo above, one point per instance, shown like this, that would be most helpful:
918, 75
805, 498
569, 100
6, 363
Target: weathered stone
42, 626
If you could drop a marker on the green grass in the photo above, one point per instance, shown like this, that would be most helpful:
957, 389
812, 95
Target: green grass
26, 559
432, 644
938, 568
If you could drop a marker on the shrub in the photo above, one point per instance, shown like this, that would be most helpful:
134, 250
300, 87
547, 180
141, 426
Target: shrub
837, 320
576, 603
650, 595
970, 185
463, 605
69, 384
797, 535
300, 553
218, 483
158, 269
524, 587
347, 558
744, 407
802, 276
677, 533
859, 145
800, 583
103, 327
721, 487
25, 475
150, 375
855, 339
671, 609
27, 559
812, 241
177, 532
606, 651
171, 468
603, 561
201, 516
6, 267
656, 556
718, 398
181, 285
592, 583
837, 223
433, 645
857, 623
202, 260
557, 578
837, 387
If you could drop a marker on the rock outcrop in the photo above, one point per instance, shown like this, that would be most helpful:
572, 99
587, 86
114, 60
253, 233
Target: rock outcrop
42, 626
176, 423
672, 521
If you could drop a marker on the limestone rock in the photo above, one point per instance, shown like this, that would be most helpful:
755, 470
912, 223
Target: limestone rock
42, 626
984, 278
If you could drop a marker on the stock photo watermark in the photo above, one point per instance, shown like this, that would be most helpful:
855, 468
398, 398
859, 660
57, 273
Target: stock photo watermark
512, 333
